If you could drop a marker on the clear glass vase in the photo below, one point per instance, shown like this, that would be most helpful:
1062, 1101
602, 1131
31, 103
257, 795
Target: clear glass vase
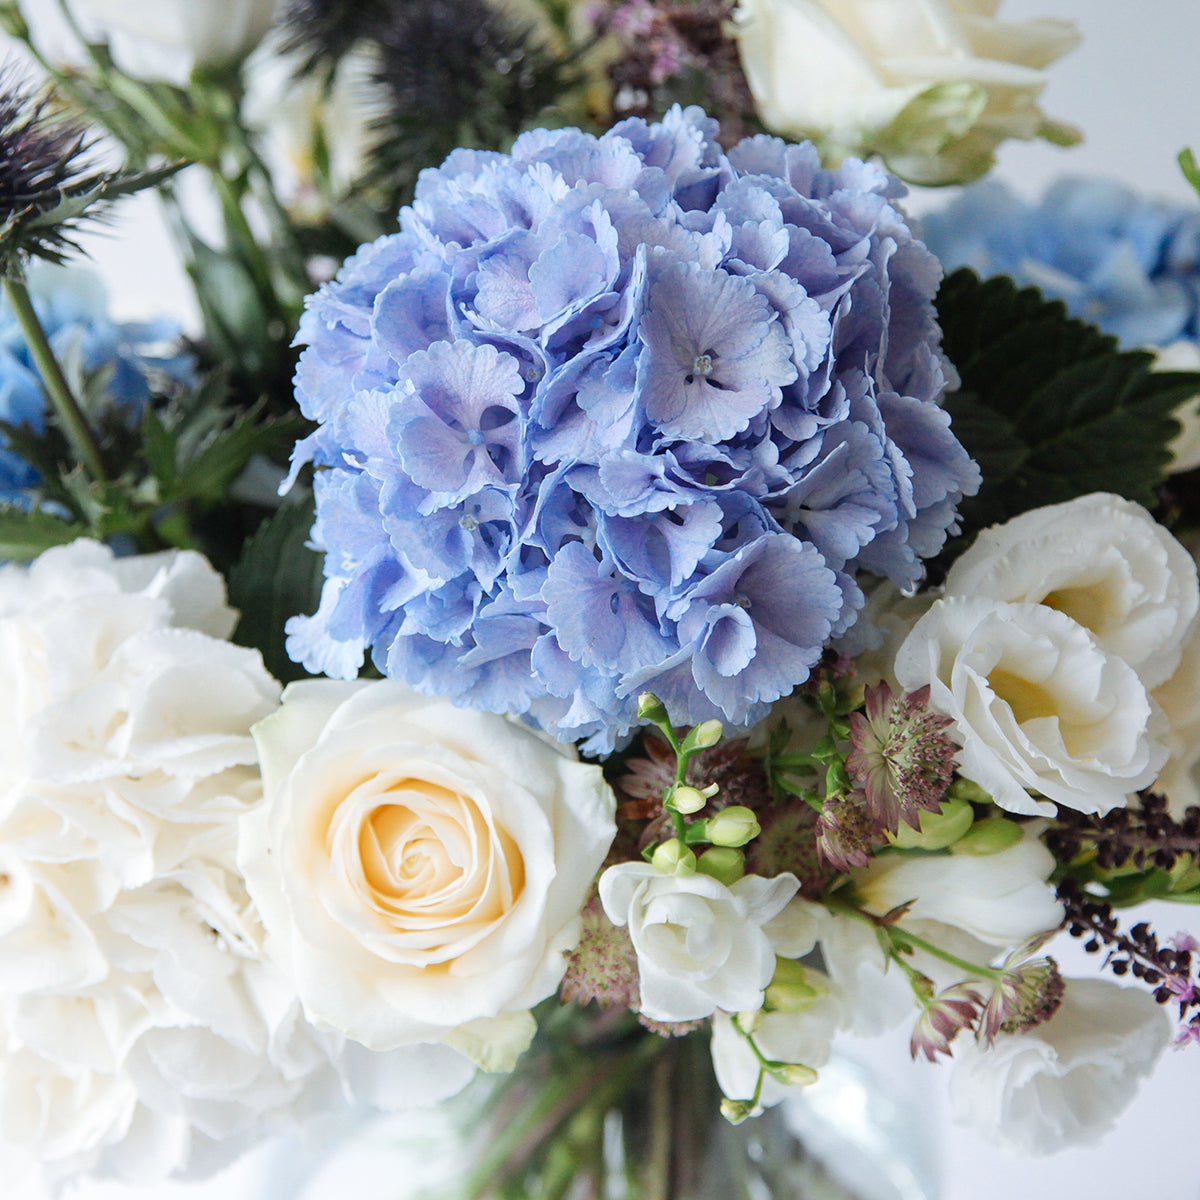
621, 1114
600, 1109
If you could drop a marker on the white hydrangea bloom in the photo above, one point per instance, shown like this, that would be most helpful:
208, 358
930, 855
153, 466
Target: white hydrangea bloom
143, 1032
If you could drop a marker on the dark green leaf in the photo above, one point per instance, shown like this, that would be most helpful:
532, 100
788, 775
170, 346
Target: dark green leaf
1049, 407
278, 576
209, 474
24, 535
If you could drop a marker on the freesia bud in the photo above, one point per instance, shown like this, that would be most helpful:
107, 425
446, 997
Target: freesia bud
673, 858
938, 829
722, 863
733, 826
989, 836
685, 799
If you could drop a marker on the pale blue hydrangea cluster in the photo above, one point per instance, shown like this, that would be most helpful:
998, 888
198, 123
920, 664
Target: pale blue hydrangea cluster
1125, 262
72, 308
621, 414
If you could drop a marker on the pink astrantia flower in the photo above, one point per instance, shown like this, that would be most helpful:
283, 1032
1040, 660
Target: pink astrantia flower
902, 757
953, 1009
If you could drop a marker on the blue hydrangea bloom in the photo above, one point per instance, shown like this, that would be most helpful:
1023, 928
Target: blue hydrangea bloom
621, 414
1119, 260
72, 308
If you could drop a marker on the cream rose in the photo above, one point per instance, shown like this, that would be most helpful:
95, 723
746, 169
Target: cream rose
933, 86
1062, 1083
1038, 705
700, 945
420, 869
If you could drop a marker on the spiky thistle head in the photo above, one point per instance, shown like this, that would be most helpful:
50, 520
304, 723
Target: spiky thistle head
322, 32
49, 184
456, 73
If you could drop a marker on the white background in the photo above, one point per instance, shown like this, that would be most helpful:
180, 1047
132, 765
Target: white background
1133, 88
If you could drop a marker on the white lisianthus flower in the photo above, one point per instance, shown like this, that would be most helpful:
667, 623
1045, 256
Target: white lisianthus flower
1000, 899
1062, 1083
1105, 562
168, 38
700, 945
420, 869
933, 86
1037, 704
144, 1032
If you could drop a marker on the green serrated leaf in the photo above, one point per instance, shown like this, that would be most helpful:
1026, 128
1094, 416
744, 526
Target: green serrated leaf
209, 474
278, 576
24, 535
1049, 406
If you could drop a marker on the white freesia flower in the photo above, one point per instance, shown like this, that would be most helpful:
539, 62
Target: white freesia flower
804, 1038
1038, 705
144, 1033
700, 945
1102, 560
933, 85
1000, 899
169, 37
420, 869
1062, 1083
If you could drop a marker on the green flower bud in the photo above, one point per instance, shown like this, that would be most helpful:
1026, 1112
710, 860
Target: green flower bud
792, 1074
736, 1111
733, 826
704, 735
651, 708
722, 863
673, 858
793, 987
938, 829
988, 836
685, 799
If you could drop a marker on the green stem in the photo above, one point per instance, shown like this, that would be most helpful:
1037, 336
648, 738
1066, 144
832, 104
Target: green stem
242, 236
919, 943
902, 938
78, 431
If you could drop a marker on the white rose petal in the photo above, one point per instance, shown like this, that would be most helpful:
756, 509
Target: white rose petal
1037, 704
167, 39
419, 868
1062, 1083
700, 945
936, 86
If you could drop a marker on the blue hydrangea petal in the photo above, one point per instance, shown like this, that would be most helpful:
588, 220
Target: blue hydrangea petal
598, 616
456, 429
713, 355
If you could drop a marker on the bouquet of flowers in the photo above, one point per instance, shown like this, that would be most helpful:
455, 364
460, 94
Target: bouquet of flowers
601, 606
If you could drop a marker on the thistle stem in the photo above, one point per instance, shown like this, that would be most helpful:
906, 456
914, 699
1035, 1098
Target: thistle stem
78, 431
